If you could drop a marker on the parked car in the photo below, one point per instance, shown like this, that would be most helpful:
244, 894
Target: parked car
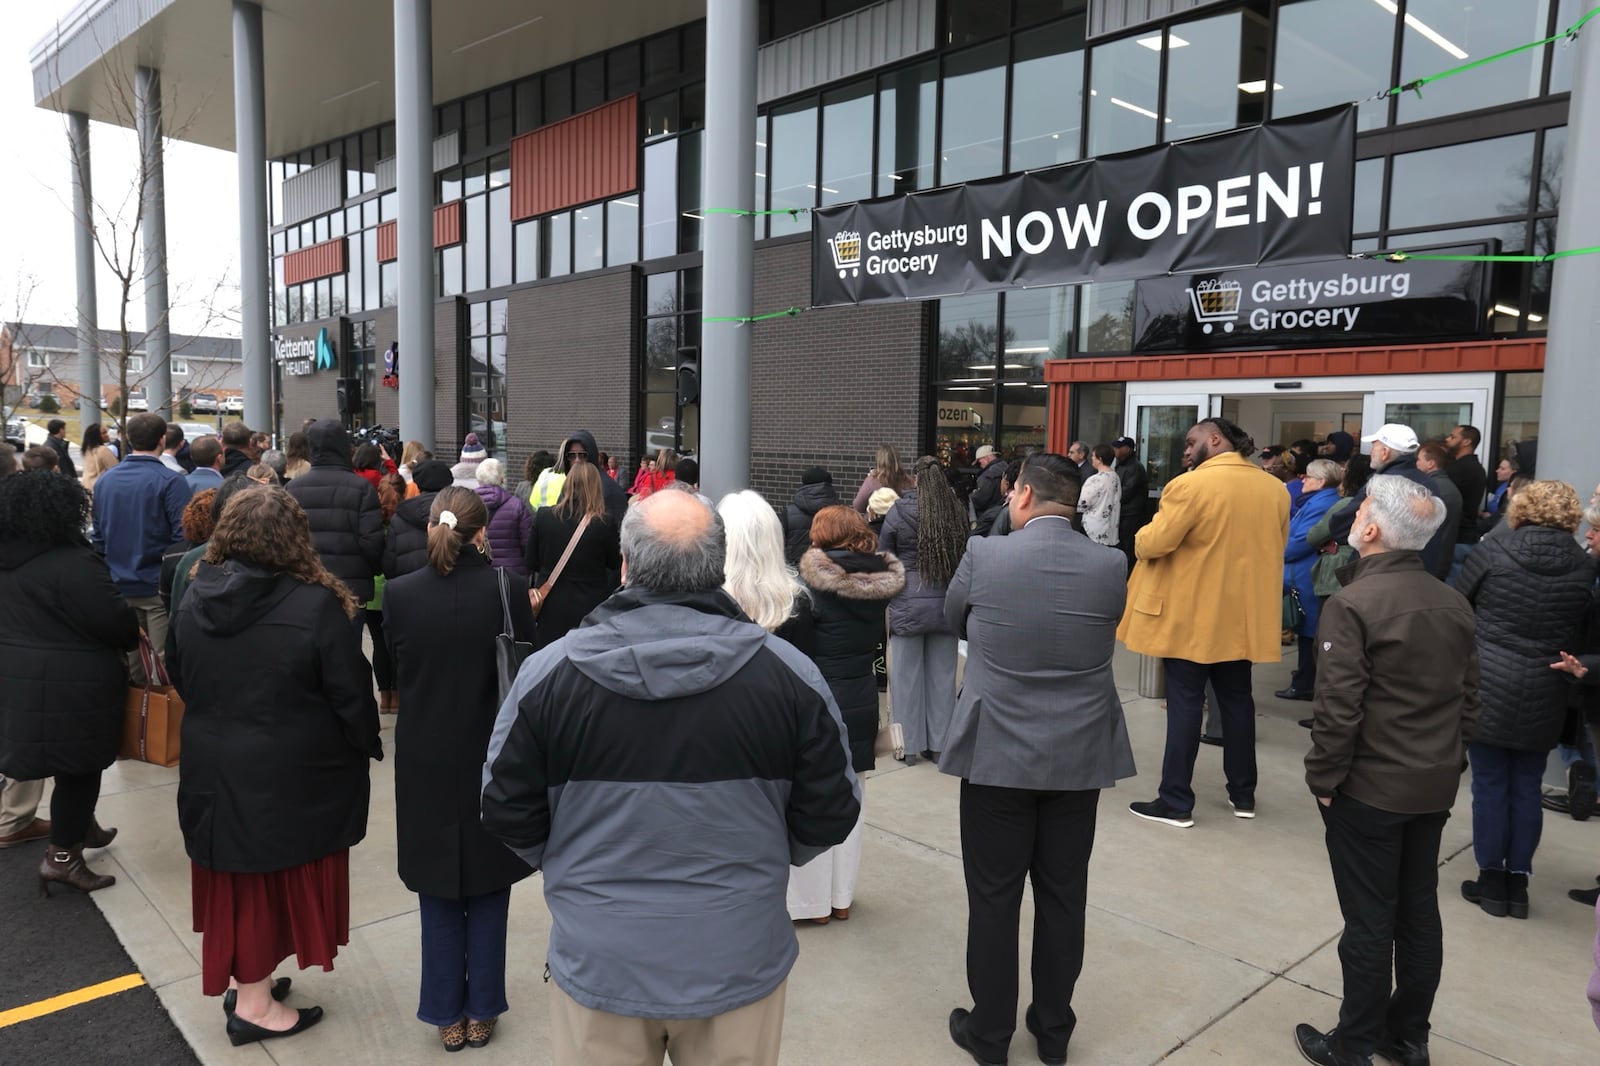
138, 400
193, 431
233, 405
17, 433
203, 403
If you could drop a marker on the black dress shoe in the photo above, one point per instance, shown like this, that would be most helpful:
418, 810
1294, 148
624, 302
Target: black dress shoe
1405, 1052
1317, 1047
1207, 738
1306, 723
241, 1032
958, 1033
1031, 1020
1292, 693
280, 992
1585, 896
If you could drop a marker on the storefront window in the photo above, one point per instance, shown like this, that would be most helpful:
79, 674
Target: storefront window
527, 238
1217, 79
1039, 326
793, 154
691, 164
1555, 151
1022, 419
669, 377
1519, 414
847, 144
476, 249
661, 200
558, 245
487, 408
1440, 34
356, 292
1369, 196
449, 267
1097, 412
906, 114
1124, 92
588, 238
971, 145
362, 358
1427, 188
499, 237
1333, 51
1106, 322
968, 330
1047, 96
622, 230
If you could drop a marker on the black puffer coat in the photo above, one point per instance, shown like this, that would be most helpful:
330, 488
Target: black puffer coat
808, 500
346, 518
63, 630
1530, 589
405, 550
849, 593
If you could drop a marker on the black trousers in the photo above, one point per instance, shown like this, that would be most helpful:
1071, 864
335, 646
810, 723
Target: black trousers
1386, 872
1236, 709
72, 808
1007, 835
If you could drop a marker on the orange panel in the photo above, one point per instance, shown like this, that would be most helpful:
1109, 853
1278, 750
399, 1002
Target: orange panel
1058, 419
447, 224
318, 261
388, 242
588, 157
1497, 355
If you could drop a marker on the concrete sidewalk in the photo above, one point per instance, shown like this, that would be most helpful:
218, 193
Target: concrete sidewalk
1205, 946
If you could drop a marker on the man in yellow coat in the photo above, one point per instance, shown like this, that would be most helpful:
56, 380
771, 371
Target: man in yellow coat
1206, 595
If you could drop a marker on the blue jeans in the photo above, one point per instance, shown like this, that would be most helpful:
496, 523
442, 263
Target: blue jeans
1506, 816
463, 957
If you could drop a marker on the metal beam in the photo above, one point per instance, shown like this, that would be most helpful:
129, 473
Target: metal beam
250, 139
157, 376
84, 255
413, 110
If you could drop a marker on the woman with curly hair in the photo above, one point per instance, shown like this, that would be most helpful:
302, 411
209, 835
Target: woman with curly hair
1530, 589
97, 455
273, 789
927, 531
61, 666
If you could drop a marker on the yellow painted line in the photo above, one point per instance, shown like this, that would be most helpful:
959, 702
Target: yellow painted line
69, 999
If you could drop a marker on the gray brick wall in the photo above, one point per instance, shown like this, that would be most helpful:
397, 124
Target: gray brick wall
829, 386
570, 364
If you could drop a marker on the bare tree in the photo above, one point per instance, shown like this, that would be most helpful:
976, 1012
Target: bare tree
14, 374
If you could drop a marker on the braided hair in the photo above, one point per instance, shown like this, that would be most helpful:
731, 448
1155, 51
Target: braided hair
1238, 439
942, 527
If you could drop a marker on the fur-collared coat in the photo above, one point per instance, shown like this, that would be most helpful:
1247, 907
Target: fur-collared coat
850, 592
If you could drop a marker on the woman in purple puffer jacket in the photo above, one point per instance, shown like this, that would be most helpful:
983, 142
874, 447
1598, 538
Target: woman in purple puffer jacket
510, 521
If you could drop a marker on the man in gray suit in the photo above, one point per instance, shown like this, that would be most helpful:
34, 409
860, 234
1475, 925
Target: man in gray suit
1037, 732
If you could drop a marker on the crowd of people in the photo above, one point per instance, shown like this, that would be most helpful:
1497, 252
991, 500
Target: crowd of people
720, 665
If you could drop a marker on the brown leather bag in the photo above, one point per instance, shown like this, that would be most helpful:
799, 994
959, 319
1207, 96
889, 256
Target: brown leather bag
152, 724
537, 597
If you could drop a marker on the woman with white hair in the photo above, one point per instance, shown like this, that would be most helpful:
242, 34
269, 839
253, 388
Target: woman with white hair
510, 521
757, 577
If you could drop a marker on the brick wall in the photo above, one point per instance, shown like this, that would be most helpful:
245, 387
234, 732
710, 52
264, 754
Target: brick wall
829, 386
570, 364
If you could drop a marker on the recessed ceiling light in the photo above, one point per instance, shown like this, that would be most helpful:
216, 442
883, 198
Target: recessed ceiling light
1258, 87
1154, 42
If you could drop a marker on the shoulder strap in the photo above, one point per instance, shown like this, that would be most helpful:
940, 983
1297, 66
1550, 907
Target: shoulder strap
505, 602
561, 564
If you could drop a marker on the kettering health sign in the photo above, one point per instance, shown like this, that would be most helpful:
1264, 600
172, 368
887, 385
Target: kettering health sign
1276, 193
1330, 304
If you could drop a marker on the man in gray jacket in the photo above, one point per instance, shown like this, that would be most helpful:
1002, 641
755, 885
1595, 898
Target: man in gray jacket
1037, 733
664, 764
1396, 704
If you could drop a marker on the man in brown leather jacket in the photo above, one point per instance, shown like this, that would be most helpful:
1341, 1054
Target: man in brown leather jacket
1396, 704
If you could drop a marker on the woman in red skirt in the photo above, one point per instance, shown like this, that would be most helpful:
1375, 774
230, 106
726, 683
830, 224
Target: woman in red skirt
272, 790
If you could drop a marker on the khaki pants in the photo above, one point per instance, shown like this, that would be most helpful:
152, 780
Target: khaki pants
19, 804
748, 1036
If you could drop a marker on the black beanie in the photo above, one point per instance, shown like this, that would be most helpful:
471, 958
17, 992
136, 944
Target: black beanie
815, 475
431, 476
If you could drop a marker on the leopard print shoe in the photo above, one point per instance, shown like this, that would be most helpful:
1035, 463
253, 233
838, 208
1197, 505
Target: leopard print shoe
454, 1037
478, 1033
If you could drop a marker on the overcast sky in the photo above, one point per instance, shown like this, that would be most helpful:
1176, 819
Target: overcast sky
36, 198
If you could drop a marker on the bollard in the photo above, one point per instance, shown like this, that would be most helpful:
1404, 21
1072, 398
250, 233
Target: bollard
1152, 677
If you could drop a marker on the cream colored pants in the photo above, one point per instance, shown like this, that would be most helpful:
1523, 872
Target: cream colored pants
19, 803
748, 1036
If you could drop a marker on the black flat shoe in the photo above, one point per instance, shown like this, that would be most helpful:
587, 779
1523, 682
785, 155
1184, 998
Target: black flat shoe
241, 1032
280, 992
1292, 693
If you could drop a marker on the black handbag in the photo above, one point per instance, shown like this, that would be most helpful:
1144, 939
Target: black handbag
509, 652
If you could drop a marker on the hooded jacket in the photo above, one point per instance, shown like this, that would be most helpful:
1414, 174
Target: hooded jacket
664, 763
849, 591
1531, 590
405, 548
547, 490
510, 526
278, 725
346, 518
63, 630
807, 501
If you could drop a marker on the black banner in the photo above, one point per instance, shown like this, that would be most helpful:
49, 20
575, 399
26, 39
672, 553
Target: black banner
1280, 192
1327, 304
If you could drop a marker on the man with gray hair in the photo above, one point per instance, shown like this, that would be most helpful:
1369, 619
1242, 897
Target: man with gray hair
1078, 452
1396, 703
664, 764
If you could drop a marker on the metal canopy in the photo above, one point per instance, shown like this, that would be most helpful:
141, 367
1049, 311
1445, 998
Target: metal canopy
329, 63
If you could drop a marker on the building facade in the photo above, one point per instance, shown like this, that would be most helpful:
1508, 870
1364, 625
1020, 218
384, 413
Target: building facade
39, 360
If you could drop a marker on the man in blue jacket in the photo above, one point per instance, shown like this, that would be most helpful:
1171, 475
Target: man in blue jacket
138, 515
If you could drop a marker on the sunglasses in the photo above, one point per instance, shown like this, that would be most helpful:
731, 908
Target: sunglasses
580, 456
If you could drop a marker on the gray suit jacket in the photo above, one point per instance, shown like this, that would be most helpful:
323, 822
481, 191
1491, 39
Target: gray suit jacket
1038, 707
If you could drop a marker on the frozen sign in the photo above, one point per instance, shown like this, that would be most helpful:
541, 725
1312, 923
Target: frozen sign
1280, 192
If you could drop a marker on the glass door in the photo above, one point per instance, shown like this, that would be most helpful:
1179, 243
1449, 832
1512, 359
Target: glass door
1431, 413
1158, 425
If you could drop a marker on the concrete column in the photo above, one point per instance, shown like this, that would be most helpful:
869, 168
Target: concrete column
250, 146
1571, 393
413, 128
729, 246
84, 254
157, 376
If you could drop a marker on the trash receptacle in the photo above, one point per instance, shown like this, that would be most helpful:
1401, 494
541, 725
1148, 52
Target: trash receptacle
1152, 677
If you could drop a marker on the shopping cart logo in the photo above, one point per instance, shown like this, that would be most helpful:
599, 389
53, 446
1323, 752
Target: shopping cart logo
1216, 302
846, 248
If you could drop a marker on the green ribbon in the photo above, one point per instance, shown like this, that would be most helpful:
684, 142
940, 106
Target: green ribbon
1401, 257
1570, 33
787, 312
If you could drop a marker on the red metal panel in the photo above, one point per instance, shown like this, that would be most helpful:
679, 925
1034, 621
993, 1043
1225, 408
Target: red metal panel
318, 261
447, 224
588, 157
388, 242
1497, 355
1058, 418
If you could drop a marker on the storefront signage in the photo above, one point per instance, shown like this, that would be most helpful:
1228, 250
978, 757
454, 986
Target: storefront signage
1328, 304
1280, 192
300, 356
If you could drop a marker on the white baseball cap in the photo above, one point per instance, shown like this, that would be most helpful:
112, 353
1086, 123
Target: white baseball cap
1393, 435
984, 451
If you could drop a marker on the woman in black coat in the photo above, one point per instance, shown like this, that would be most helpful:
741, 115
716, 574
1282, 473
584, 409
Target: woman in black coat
590, 574
64, 630
279, 725
851, 586
440, 623
1531, 590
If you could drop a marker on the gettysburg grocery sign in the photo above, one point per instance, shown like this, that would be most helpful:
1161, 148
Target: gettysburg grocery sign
1279, 192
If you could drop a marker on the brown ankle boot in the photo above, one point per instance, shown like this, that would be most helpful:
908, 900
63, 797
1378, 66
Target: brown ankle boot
97, 837
66, 866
